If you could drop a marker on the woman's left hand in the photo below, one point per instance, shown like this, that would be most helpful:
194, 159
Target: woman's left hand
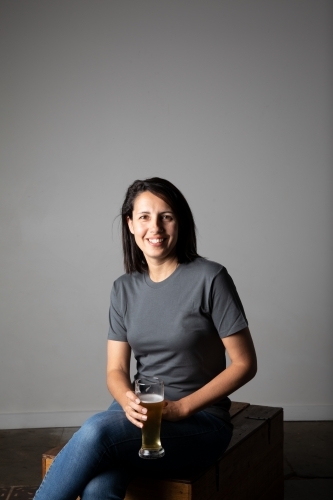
173, 410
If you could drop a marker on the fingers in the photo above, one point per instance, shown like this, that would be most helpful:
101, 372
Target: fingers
134, 411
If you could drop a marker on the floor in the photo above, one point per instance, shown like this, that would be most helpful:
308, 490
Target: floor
308, 463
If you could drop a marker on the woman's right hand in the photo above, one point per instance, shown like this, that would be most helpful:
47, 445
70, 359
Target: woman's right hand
135, 413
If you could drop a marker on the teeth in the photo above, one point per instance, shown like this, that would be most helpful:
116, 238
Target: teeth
156, 240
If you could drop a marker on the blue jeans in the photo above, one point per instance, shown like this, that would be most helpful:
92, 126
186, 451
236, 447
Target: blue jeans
102, 456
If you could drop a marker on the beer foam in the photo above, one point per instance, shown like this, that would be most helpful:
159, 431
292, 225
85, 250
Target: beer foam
150, 398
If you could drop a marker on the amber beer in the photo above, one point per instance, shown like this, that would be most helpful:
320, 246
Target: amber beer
151, 428
151, 394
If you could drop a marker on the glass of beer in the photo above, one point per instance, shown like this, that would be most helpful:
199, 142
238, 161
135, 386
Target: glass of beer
150, 391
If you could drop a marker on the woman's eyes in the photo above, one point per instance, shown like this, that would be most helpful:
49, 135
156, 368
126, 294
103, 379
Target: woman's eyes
165, 217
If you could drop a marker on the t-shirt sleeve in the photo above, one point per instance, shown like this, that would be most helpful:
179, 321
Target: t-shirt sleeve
117, 329
226, 307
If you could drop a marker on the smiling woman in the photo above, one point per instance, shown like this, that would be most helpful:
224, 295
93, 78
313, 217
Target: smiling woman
160, 199
155, 230
177, 313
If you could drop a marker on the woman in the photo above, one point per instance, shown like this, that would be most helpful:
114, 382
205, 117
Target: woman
177, 313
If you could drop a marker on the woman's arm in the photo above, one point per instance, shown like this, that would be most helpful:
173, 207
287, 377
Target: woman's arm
243, 368
119, 383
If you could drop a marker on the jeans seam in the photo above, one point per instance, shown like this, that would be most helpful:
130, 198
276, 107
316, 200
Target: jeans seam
48, 470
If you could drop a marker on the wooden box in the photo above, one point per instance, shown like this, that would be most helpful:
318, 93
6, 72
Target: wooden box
250, 469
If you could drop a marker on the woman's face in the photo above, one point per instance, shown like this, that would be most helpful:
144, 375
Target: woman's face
154, 227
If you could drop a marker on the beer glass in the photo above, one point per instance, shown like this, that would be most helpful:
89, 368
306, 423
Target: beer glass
150, 391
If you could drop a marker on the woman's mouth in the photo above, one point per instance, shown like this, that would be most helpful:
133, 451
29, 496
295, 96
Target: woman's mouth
155, 241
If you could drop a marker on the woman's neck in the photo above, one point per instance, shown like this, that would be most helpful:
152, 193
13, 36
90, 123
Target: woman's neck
162, 270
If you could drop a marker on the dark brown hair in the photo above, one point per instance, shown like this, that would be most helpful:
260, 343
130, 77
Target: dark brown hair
186, 246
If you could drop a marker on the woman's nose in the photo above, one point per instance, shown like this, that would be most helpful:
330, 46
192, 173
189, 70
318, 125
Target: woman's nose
155, 225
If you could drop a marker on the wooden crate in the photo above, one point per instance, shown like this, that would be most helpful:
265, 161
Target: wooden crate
250, 469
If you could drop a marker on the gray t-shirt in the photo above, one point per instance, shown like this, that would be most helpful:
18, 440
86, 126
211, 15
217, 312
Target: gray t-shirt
175, 327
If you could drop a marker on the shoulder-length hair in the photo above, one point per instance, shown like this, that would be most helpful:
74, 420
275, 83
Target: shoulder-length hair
186, 246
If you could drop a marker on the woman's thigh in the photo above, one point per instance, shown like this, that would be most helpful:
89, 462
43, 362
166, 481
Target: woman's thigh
190, 444
109, 442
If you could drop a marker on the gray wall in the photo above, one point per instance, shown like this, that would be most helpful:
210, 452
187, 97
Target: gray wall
230, 100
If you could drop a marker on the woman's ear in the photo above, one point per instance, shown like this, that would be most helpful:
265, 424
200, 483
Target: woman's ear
130, 224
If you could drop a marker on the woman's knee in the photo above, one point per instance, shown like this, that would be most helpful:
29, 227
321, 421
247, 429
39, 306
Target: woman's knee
94, 430
107, 428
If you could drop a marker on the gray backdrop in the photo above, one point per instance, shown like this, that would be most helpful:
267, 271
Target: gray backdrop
232, 101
